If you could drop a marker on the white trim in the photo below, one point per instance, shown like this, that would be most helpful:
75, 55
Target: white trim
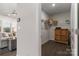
73, 28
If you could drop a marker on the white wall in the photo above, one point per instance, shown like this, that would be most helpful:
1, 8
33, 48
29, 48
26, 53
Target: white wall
61, 17
44, 32
44, 16
29, 38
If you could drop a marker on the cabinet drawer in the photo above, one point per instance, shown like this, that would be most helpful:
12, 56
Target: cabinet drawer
57, 32
57, 37
64, 32
64, 38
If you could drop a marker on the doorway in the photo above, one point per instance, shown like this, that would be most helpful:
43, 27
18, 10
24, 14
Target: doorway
56, 29
8, 29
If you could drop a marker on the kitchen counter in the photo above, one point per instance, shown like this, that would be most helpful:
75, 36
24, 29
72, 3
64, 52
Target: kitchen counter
10, 42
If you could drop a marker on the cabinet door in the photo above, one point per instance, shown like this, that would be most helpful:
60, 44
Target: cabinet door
57, 32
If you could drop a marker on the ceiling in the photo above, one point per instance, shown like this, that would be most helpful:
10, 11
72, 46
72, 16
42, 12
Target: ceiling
59, 7
7, 8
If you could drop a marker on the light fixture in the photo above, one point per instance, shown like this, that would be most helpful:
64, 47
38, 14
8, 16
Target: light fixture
53, 5
13, 13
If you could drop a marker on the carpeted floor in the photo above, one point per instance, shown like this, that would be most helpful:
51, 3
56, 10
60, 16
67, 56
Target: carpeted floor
52, 48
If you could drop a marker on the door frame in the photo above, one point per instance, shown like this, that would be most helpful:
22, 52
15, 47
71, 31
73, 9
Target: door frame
74, 26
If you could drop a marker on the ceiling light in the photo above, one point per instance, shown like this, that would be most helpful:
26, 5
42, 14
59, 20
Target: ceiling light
13, 13
53, 5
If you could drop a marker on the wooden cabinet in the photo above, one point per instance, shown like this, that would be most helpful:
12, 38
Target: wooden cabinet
61, 35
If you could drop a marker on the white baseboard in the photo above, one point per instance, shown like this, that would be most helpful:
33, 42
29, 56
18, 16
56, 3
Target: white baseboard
44, 41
